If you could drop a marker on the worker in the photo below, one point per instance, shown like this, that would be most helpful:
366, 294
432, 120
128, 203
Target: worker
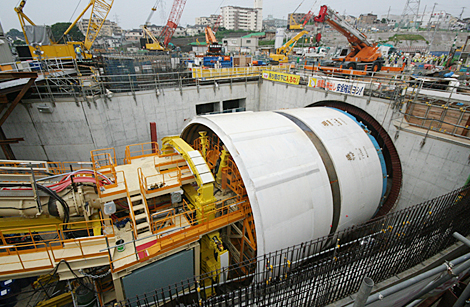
78, 51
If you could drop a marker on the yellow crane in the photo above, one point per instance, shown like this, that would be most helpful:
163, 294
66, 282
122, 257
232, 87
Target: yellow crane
48, 48
282, 53
149, 41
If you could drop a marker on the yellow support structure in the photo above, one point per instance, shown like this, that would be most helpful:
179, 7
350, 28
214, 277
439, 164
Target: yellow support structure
205, 181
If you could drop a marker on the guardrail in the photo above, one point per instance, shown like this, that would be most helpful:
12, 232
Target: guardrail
29, 249
173, 230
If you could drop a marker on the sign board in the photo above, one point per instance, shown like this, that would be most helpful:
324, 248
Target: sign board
281, 77
338, 85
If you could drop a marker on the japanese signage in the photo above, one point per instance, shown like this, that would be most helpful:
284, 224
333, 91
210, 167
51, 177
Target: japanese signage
281, 77
337, 85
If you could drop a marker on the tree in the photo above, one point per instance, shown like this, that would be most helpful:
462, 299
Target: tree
384, 20
59, 28
14, 33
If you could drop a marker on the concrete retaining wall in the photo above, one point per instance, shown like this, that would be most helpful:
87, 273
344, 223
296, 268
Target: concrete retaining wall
71, 131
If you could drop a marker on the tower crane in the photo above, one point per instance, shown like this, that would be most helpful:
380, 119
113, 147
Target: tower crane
173, 20
50, 49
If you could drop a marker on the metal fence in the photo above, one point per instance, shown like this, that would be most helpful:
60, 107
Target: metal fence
325, 270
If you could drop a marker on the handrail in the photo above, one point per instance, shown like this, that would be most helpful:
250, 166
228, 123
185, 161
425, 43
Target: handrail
226, 212
109, 158
143, 152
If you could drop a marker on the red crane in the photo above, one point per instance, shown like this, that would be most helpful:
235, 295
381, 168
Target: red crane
173, 20
217, 23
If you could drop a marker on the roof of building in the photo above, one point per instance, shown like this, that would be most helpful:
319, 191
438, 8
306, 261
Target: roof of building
255, 34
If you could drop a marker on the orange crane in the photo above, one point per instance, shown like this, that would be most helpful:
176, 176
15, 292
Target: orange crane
362, 51
213, 46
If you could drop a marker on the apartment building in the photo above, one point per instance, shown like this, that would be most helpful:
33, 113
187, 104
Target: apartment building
242, 18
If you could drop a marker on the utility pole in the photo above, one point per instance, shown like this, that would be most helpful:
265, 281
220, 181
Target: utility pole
429, 22
388, 13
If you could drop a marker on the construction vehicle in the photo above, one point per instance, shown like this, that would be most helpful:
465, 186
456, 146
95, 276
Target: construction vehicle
213, 46
282, 53
149, 41
293, 25
47, 47
362, 53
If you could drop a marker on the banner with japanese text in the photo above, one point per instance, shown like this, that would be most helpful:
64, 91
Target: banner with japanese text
281, 77
337, 85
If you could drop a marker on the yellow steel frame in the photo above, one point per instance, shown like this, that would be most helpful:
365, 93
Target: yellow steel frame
205, 193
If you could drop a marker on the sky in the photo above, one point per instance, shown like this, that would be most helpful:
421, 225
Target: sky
131, 13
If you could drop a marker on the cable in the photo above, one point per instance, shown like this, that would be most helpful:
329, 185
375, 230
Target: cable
75, 10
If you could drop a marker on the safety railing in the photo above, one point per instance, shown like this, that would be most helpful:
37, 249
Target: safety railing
137, 151
231, 179
450, 119
103, 159
168, 160
25, 258
164, 180
41, 168
183, 228
42, 246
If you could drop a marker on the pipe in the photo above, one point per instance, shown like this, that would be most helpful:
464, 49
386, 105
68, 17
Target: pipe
461, 238
442, 268
364, 292
463, 297
466, 293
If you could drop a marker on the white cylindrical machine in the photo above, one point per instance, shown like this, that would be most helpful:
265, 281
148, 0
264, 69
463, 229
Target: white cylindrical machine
307, 172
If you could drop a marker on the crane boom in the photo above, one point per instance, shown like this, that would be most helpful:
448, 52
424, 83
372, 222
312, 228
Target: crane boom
282, 52
356, 38
98, 15
173, 20
361, 49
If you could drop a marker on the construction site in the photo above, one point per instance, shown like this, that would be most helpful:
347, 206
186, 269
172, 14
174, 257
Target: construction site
150, 180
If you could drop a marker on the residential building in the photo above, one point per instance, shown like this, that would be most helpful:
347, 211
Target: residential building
133, 35
368, 18
207, 21
194, 30
272, 23
109, 28
241, 18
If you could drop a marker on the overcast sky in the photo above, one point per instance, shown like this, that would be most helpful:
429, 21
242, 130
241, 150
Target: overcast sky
131, 13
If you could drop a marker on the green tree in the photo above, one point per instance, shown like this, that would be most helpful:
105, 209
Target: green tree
59, 28
15, 33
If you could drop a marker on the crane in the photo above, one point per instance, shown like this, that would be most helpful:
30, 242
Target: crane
308, 16
149, 41
213, 46
52, 49
282, 53
292, 24
173, 20
362, 51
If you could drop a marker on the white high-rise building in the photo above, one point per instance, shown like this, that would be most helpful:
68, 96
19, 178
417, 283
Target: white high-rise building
242, 18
